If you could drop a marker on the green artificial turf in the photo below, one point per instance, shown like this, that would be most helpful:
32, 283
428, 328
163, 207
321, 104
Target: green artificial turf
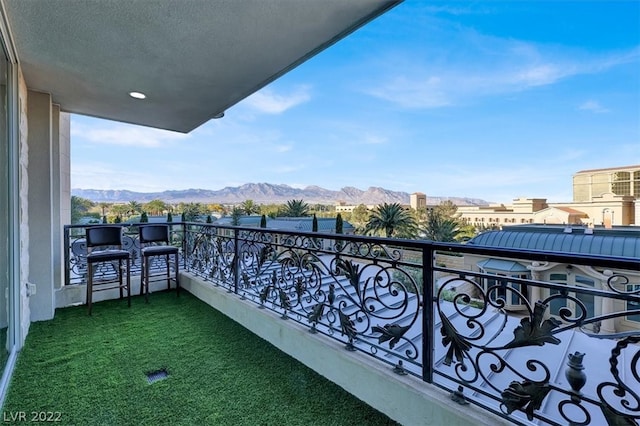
92, 371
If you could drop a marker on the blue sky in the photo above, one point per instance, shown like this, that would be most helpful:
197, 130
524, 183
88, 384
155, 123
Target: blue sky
493, 100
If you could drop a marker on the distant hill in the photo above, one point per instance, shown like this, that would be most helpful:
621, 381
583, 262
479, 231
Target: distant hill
264, 193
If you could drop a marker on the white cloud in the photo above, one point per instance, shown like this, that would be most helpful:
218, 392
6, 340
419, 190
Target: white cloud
283, 148
267, 101
125, 135
372, 139
593, 106
486, 66
97, 175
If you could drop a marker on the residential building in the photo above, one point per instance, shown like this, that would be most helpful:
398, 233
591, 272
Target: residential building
49, 69
619, 241
356, 298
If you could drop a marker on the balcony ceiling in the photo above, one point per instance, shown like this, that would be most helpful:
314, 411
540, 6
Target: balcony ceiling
193, 59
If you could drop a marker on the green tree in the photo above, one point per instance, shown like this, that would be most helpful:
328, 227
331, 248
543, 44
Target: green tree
79, 208
447, 208
339, 224
272, 210
144, 218
442, 223
191, 212
134, 207
104, 207
263, 221
169, 217
249, 207
392, 220
156, 207
217, 208
295, 208
119, 210
360, 217
236, 214
314, 224
439, 227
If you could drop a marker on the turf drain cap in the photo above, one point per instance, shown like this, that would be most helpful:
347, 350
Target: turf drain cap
154, 376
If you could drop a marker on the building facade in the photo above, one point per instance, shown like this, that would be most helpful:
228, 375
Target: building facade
602, 197
619, 242
592, 184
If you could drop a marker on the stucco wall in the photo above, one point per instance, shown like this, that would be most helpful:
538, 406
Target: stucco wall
23, 133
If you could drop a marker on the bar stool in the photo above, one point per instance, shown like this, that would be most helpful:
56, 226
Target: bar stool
154, 241
109, 237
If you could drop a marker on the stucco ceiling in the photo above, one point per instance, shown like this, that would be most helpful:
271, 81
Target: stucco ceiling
193, 59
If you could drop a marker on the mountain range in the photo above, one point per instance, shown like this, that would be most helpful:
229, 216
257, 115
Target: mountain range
265, 193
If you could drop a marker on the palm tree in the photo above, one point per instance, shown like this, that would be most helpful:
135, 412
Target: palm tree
104, 206
440, 227
249, 207
134, 207
295, 208
119, 210
156, 207
393, 220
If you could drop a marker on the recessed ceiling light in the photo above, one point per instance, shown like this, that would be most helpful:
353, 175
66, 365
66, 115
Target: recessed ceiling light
137, 95
219, 115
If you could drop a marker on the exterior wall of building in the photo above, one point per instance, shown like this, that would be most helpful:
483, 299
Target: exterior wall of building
619, 210
348, 208
23, 178
572, 276
60, 186
40, 204
418, 200
588, 184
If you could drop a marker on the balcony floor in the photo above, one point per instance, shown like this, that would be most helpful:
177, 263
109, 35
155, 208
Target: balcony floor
92, 370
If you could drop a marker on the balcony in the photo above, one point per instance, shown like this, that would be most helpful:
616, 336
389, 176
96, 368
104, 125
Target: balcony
554, 341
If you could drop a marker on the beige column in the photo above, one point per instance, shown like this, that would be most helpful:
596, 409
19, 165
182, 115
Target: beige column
41, 219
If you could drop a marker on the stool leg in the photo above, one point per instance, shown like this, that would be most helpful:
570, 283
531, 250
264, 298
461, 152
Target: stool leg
142, 275
128, 282
120, 277
177, 267
166, 259
89, 286
146, 279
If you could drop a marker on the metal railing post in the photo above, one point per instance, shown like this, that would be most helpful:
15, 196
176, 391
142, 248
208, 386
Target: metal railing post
236, 261
67, 272
427, 313
185, 246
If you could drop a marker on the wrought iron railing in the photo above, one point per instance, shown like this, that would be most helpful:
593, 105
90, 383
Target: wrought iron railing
555, 342
75, 262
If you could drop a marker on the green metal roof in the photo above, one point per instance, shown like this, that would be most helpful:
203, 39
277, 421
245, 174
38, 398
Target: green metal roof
622, 242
